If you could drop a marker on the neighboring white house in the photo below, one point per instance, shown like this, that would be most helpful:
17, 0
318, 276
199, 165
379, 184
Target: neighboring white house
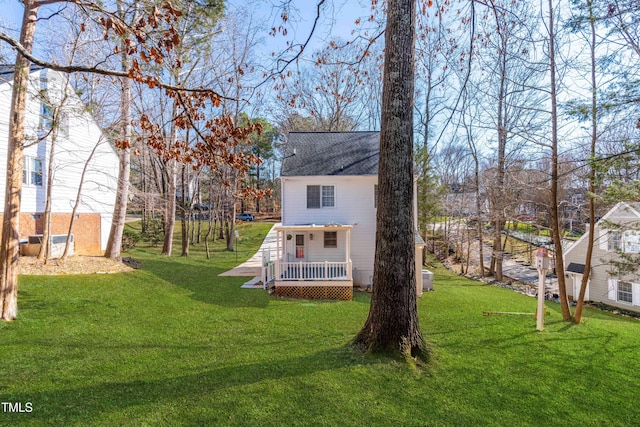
618, 231
326, 243
78, 142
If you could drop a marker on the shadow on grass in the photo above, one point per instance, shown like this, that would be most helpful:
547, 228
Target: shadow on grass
81, 405
204, 284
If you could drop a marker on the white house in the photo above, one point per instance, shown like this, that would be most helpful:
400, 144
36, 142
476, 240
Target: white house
80, 147
326, 243
618, 232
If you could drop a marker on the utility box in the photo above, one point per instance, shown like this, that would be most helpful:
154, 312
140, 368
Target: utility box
57, 243
427, 280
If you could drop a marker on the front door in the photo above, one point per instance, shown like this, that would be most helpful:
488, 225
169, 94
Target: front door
300, 247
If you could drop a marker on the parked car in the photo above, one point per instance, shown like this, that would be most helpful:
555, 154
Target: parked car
244, 217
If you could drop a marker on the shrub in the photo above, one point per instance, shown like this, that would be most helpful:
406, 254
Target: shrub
129, 239
153, 232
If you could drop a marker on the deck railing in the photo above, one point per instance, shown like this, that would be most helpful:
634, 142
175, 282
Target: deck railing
323, 270
268, 273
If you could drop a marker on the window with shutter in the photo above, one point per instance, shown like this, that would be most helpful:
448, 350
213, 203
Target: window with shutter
313, 196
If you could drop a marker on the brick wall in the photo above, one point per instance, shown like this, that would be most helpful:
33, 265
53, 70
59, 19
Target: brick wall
86, 229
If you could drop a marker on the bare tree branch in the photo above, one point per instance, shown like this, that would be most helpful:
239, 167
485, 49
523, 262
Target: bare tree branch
73, 68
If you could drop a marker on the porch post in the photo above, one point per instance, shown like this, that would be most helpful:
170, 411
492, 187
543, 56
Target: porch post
348, 255
278, 257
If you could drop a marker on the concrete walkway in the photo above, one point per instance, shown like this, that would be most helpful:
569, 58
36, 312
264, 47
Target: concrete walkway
253, 266
517, 270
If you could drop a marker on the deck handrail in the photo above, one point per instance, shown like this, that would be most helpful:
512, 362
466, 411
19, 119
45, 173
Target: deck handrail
313, 270
268, 273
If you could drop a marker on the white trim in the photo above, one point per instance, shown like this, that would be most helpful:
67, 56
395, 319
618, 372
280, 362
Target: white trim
313, 227
612, 287
603, 239
308, 284
635, 293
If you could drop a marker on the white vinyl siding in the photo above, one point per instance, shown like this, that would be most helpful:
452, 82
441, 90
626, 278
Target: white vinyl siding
76, 140
354, 201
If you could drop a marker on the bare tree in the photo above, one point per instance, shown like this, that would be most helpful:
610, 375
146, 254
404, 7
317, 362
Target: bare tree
556, 229
511, 102
110, 22
114, 242
591, 36
9, 243
392, 324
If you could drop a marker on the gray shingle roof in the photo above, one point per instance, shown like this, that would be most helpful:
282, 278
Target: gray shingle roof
576, 268
331, 153
6, 72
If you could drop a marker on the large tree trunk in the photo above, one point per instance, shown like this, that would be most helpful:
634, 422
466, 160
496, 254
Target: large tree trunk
392, 325
10, 244
114, 244
169, 208
499, 203
186, 213
577, 316
556, 231
479, 225
170, 201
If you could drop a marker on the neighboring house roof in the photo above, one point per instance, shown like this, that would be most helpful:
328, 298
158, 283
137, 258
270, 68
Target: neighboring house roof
631, 207
331, 153
636, 208
6, 72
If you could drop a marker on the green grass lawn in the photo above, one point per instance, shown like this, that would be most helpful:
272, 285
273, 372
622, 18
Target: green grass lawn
174, 344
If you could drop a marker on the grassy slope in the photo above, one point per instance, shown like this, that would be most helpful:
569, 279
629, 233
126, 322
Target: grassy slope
173, 344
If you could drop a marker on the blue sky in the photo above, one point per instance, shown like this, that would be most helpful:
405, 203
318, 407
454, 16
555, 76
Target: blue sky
338, 17
10, 12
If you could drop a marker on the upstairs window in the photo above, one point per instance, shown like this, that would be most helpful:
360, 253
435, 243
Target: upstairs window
615, 241
627, 241
631, 241
321, 196
46, 109
32, 172
46, 116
